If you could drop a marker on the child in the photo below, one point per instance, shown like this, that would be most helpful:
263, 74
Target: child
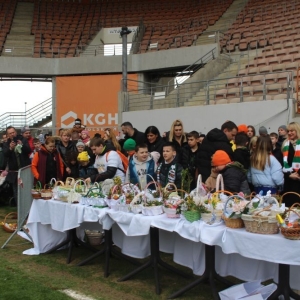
241, 153
47, 163
139, 166
129, 147
276, 149
234, 174
80, 146
37, 146
73, 167
265, 172
86, 168
169, 171
190, 155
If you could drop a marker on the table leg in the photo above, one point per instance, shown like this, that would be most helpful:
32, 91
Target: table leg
154, 261
107, 251
283, 286
209, 275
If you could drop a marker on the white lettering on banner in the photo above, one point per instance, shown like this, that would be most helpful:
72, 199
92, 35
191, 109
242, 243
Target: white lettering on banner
87, 119
118, 30
97, 119
111, 119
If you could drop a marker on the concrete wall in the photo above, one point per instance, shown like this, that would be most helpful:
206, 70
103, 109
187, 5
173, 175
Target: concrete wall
270, 114
20, 66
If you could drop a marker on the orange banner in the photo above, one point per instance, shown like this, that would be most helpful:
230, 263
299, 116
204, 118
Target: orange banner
93, 99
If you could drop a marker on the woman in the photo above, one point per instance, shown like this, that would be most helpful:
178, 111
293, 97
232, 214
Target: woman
154, 140
47, 163
291, 164
265, 172
85, 136
251, 131
110, 138
177, 136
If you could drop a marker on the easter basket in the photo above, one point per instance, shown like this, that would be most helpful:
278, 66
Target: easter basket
192, 215
60, 191
292, 233
173, 201
152, 205
46, 192
260, 223
234, 207
199, 192
7, 226
94, 237
36, 191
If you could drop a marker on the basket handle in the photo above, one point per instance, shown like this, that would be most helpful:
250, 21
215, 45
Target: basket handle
222, 191
11, 213
47, 186
170, 184
199, 184
261, 210
38, 185
59, 182
183, 191
79, 181
292, 208
52, 181
218, 182
287, 193
70, 181
232, 197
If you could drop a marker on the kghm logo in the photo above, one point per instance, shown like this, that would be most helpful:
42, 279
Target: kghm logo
67, 120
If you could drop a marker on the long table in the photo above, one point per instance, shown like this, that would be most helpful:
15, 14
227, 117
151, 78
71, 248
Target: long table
239, 253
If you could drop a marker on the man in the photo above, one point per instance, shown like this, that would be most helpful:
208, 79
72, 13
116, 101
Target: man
27, 135
16, 151
216, 139
282, 134
130, 132
108, 162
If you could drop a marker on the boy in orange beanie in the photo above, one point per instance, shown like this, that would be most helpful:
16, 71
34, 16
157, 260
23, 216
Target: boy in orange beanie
234, 174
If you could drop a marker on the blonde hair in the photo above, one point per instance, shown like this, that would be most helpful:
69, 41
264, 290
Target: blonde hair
112, 137
172, 130
66, 132
261, 155
294, 126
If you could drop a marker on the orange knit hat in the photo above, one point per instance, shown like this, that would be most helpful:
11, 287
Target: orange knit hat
243, 128
220, 158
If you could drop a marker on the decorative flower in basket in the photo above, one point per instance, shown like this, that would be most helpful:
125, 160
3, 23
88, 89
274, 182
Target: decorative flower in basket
192, 208
130, 190
172, 200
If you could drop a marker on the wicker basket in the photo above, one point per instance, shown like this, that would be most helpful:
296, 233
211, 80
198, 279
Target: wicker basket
46, 193
260, 224
171, 212
94, 237
13, 226
36, 192
233, 223
291, 233
192, 215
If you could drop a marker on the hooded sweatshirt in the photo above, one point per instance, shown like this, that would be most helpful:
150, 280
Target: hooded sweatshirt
137, 171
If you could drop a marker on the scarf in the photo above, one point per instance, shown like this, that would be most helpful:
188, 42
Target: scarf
291, 156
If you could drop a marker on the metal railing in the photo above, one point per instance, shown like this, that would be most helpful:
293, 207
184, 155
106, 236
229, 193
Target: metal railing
29, 117
207, 92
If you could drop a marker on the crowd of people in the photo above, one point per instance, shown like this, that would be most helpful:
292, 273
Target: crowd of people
248, 161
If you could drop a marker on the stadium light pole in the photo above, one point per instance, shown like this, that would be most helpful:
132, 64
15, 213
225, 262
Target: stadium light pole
124, 32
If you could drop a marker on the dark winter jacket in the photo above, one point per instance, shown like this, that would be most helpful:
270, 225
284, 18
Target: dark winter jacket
190, 161
235, 178
242, 155
215, 140
15, 160
62, 150
138, 136
157, 146
179, 148
87, 171
277, 153
173, 170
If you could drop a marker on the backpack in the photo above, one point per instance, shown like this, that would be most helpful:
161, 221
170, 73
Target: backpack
124, 160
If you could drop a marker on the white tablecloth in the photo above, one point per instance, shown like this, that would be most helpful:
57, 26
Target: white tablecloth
238, 253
